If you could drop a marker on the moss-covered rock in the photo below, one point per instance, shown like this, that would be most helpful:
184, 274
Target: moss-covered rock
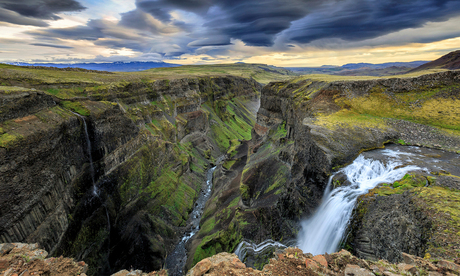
113, 186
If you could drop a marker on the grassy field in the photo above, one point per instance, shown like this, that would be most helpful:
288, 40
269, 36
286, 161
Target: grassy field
331, 78
261, 73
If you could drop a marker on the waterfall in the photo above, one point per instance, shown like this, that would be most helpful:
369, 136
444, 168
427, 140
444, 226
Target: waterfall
88, 145
175, 261
244, 248
323, 231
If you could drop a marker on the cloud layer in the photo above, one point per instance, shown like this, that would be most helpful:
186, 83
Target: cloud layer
34, 12
174, 28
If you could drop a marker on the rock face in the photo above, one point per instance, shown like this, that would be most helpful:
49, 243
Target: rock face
16, 104
305, 129
114, 185
389, 226
111, 178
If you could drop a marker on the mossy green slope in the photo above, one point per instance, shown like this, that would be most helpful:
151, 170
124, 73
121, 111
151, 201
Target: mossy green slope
230, 216
152, 142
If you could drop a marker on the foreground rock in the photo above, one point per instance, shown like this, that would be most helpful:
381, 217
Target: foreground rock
28, 259
293, 261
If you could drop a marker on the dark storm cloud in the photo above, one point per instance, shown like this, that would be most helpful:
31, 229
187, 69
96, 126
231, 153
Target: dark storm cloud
42, 9
140, 20
73, 33
364, 19
105, 33
32, 12
93, 30
137, 19
15, 18
254, 22
259, 22
208, 26
51, 45
160, 8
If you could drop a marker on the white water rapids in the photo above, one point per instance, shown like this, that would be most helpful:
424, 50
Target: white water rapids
323, 231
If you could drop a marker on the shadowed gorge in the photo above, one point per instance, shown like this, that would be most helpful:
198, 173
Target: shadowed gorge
229, 138
107, 168
144, 146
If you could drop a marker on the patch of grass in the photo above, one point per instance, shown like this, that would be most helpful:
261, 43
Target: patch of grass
418, 106
228, 164
244, 191
208, 226
279, 133
76, 107
12, 89
331, 78
279, 179
8, 139
228, 128
233, 146
53, 91
349, 118
401, 142
223, 240
408, 182
260, 72
442, 206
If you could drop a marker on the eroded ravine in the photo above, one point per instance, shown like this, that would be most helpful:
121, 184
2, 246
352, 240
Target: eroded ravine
176, 260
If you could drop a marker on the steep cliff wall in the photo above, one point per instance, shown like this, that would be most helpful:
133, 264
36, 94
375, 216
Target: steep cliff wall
120, 198
305, 130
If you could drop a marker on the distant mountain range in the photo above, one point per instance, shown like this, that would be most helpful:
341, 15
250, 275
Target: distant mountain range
111, 67
412, 64
450, 61
360, 69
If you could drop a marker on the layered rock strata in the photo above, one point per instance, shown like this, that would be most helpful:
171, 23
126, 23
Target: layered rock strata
305, 130
111, 178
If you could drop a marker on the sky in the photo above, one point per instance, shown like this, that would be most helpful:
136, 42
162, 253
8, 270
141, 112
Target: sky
289, 33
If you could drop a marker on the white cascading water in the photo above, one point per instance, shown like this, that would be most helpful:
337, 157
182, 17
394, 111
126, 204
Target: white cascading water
88, 145
323, 231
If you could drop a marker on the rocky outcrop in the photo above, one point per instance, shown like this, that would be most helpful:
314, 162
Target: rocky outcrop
293, 261
28, 259
22, 102
415, 215
389, 226
111, 178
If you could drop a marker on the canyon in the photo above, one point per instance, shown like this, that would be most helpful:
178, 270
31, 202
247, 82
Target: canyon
106, 168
